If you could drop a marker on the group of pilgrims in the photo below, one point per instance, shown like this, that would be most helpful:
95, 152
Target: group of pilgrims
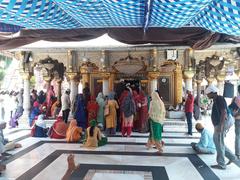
92, 119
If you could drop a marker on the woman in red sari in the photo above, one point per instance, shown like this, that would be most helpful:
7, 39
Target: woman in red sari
120, 100
58, 129
142, 123
92, 109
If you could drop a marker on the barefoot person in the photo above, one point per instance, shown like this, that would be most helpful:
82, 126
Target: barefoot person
157, 114
71, 167
206, 144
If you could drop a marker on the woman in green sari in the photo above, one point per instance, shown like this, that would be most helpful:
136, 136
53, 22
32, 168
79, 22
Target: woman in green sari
157, 114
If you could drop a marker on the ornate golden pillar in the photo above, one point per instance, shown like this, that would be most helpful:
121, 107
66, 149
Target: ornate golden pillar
111, 81
85, 76
155, 58
59, 89
178, 84
210, 80
106, 78
73, 85
152, 84
188, 75
199, 81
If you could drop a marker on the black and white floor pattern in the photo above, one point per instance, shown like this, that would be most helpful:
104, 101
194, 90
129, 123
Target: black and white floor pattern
120, 159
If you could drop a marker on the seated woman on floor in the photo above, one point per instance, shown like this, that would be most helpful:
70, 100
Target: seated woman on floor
206, 144
58, 129
39, 129
73, 132
94, 137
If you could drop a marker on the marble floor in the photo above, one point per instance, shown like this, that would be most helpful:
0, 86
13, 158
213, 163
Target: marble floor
120, 159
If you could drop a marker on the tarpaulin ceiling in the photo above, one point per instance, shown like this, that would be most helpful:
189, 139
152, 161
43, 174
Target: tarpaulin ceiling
197, 23
221, 16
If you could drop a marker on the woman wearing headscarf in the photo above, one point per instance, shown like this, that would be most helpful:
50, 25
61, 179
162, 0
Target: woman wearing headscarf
56, 108
93, 135
80, 112
101, 104
58, 129
92, 109
40, 129
34, 113
142, 124
157, 114
111, 118
73, 132
129, 110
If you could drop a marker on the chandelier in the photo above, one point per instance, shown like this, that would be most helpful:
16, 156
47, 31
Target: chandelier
129, 65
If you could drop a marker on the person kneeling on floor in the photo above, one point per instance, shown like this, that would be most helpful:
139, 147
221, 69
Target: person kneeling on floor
58, 129
94, 137
73, 132
39, 129
206, 144
5, 145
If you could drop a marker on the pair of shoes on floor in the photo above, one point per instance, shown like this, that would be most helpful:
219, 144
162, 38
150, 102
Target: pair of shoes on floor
218, 167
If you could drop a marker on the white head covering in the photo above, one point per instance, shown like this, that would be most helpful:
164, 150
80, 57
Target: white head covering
211, 89
40, 122
157, 109
189, 89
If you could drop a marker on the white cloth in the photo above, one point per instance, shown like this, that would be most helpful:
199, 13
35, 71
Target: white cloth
211, 89
66, 103
40, 122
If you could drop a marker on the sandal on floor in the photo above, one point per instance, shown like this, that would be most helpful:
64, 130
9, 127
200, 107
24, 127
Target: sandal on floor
218, 167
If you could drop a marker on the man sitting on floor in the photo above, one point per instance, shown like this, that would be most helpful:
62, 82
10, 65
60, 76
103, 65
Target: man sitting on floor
206, 144
5, 145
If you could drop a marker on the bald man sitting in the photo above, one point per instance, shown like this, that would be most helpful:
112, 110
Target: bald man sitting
206, 144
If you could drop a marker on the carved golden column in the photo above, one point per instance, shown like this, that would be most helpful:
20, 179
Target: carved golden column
73, 85
155, 58
106, 78
188, 75
210, 79
111, 81
199, 81
178, 84
153, 76
59, 89
85, 76
220, 82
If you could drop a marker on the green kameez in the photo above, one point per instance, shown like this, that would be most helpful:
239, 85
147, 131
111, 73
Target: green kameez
155, 130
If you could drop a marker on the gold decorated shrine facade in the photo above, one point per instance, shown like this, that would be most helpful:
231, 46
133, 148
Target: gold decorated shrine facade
152, 67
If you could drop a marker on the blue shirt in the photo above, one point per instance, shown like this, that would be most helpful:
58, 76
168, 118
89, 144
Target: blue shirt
206, 140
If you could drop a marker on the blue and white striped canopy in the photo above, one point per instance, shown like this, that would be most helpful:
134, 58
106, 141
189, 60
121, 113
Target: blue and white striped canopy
221, 16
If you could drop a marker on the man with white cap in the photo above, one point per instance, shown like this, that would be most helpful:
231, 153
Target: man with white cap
218, 116
189, 110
